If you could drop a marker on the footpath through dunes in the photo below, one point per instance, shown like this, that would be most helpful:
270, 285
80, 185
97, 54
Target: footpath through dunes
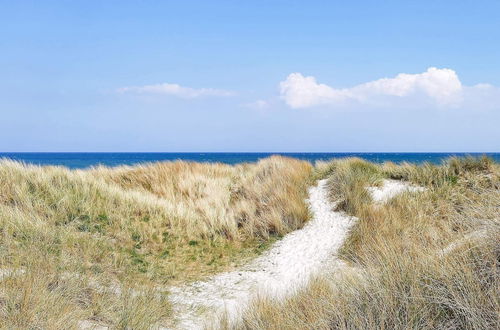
286, 267
279, 272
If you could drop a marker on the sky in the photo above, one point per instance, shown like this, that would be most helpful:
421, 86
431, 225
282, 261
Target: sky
249, 76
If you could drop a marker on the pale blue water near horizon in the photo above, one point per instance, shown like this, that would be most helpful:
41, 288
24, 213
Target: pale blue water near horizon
87, 159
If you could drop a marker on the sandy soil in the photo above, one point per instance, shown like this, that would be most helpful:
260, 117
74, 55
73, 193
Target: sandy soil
389, 189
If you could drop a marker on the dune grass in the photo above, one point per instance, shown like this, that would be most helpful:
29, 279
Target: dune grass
97, 244
423, 260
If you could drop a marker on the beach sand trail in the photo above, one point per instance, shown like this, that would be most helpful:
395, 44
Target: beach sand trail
280, 271
391, 188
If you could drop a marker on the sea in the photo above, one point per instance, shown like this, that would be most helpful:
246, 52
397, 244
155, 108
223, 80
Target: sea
80, 160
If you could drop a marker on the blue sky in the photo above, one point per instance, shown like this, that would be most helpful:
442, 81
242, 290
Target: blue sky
249, 76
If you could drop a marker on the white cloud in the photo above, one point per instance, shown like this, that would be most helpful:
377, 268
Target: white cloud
175, 90
440, 87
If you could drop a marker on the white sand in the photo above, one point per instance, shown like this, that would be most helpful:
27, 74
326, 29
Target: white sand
287, 266
389, 189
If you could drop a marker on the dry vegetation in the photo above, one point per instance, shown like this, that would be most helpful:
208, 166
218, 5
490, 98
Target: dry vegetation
428, 260
96, 244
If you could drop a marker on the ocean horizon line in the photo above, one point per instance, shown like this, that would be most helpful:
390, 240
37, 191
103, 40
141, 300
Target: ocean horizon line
112, 159
250, 152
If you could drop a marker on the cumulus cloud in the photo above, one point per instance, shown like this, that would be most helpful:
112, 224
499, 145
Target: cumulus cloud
441, 87
175, 90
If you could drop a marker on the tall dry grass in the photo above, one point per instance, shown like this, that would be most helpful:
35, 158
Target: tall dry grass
212, 200
92, 244
427, 260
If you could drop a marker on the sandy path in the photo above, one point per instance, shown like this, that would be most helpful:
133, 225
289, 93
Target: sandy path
287, 266
391, 188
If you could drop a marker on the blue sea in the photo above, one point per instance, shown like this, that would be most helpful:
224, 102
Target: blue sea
87, 159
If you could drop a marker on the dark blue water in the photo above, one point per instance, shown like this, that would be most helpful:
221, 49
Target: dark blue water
86, 159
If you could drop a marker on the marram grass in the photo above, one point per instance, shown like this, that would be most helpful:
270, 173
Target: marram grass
426, 260
102, 245
97, 244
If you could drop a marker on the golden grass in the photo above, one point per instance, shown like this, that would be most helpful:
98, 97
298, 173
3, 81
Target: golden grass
93, 244
426, 260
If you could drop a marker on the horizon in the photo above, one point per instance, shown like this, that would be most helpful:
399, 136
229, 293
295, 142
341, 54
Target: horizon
250, 77
83, 160
249, 152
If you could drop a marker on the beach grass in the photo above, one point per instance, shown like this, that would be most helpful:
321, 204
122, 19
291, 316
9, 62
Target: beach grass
423, 260
101, 245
